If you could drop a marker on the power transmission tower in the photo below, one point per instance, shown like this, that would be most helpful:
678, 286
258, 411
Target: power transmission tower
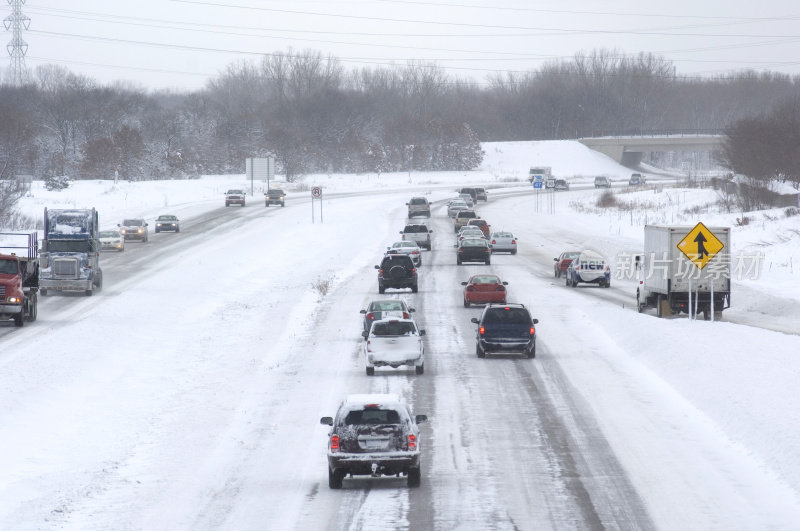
17, 47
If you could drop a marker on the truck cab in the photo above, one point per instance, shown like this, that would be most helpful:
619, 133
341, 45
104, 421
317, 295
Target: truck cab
19, 278
70, 257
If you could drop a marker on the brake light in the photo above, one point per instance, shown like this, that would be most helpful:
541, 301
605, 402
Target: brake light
412, 442
334, 443
533, 330
368, 344
459, 250
513, 242
501, 288
482, 330
371, 316
494, 242
470, 288
405, 315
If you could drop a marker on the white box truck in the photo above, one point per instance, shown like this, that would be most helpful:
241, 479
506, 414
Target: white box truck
683, 265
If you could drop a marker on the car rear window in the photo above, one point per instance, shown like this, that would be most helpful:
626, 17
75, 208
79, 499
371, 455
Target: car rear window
467, 214
510, 316
372, 416
473, 243
392, 328
418, 201
415, 228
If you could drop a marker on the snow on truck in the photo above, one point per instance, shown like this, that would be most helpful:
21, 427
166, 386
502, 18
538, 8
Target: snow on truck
19, 277
70, 257
685, 269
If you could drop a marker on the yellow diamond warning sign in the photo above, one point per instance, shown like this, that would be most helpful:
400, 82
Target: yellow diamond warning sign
700, 245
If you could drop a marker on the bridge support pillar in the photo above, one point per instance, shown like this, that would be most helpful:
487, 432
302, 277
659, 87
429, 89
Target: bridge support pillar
631, 159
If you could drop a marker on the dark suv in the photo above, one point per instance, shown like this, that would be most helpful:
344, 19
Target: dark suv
396, 271
373, 435
505, 328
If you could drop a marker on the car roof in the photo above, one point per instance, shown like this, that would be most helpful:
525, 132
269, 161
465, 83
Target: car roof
383, 399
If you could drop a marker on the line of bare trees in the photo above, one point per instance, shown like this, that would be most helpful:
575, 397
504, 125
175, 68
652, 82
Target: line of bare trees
315, 116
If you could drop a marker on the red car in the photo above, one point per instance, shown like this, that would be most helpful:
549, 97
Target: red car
563, 261
481, 289
481, 224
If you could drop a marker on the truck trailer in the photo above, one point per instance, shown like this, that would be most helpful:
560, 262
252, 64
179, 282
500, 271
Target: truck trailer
671, 278
19, 277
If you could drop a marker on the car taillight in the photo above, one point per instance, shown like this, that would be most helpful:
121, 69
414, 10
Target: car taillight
334, 443
487, 250
405, 315
608, 269
470, 288
414, 252
370, 316
513, 242
368, 344
460, 250
501, 288
412, 442
494, 242
533, 330
482, 330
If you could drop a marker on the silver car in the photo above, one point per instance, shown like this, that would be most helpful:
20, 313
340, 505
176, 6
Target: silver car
111, 240
503, 242
467, 199
408, 247
470, 232
455, 206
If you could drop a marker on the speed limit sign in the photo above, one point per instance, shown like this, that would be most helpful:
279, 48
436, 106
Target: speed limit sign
316, 192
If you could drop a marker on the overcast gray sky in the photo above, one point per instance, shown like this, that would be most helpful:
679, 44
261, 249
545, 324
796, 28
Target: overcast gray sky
181, 44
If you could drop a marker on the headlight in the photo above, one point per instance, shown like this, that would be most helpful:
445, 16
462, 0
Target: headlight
14, 299
140, 230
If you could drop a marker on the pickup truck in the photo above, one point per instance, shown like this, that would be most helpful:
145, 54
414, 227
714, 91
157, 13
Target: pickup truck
419, 233
394, 343
505, 328
274, 196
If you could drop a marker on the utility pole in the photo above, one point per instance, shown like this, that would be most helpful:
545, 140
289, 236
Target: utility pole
17, 47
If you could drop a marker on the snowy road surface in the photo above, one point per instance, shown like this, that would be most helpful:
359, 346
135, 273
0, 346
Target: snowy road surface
187, 394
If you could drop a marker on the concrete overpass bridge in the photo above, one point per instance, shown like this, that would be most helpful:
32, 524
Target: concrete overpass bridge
627, 149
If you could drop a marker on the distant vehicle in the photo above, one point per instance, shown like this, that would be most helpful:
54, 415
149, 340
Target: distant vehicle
540, 172
563, 261
134, 229
19, 277
481, 224
503, 242
481, 194
397, 271
471, 191
111, 240
373, 435
561, 184
666, 271
467, 199
473, 250
462, 218
455, 206
589, 268
234, 197
419, 206
394, 343
636, 179
275, 196
505, 328
167, 222
468, 232
385, 309
70, 256
418, 233
482, 289
601, 182
407, 247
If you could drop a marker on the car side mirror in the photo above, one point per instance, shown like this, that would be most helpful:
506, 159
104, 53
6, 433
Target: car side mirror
455, 245
327, 421
422, 332
430, 230
365, 334
401, 232
421, 418
505, 283
363, 311
410, 310
536, 321
377, 267
118, 225
555, 259
463, 283
474, 320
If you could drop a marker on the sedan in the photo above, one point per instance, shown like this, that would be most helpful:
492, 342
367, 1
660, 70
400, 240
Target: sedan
467, 199
168, 223
563, 261
111, 240
408, 247
473, 250
455, 206
385, 309
483, 289
470, 232
503, 242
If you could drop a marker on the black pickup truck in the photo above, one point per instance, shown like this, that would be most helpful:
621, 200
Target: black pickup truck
274, 196
505, 328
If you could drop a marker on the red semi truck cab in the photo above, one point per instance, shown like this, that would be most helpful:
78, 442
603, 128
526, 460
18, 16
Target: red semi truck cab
19, 278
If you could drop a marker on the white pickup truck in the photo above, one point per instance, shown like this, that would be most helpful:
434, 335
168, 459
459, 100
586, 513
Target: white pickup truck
394, 343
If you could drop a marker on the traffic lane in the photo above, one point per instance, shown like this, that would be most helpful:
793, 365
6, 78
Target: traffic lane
512, 426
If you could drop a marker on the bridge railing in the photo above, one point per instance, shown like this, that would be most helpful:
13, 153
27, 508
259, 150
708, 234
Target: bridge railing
655, 133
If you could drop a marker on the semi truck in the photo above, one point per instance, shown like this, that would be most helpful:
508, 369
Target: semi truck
684, 269
19, 277
70, 257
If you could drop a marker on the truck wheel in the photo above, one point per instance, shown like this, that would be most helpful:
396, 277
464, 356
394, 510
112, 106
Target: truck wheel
18, 319
266, 204
88, 292
32, 308
479, 352
466, 303
335, 478
639, 306
532, 353
414, 289
283, 205
381, 289
420, 369
414, 478
607, 284
370, 371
